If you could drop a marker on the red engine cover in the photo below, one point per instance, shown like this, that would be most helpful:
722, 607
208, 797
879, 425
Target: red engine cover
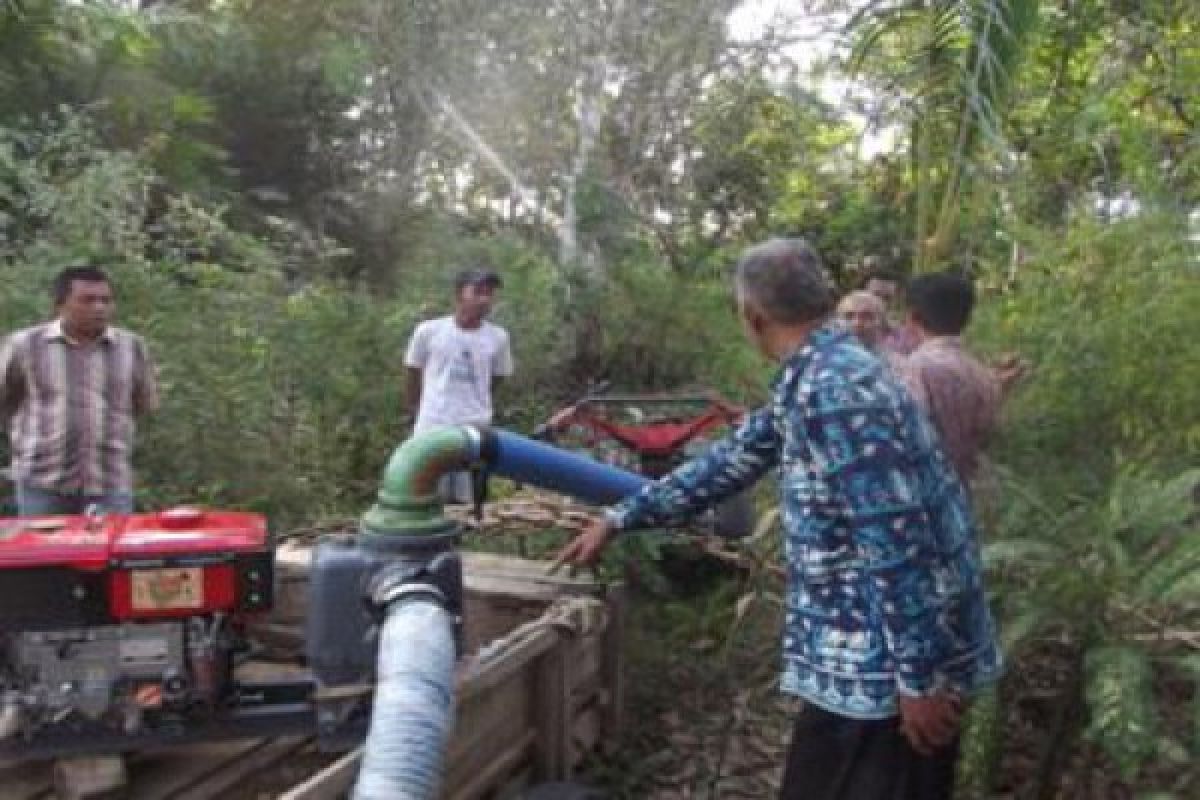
171, 563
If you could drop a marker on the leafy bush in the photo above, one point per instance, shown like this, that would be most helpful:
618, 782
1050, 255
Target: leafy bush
648, 328
285, 397
1107, 317
1108, 575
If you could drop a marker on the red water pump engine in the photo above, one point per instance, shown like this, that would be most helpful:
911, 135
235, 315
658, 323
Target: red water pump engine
124, 627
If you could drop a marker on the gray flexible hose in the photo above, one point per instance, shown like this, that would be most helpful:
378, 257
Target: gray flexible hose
413, 710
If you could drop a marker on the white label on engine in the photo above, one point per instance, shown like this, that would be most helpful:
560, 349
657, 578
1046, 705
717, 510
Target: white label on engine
144, 651
171, 588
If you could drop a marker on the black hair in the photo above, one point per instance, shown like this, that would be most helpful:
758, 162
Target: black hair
477, 276
941, 302
82, 272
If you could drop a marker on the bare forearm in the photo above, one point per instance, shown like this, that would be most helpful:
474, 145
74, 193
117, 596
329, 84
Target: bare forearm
412, 391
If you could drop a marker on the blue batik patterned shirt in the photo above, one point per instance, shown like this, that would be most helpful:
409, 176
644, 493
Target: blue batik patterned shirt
884, 588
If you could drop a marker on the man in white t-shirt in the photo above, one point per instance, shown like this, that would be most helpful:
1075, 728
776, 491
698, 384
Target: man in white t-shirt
454, 364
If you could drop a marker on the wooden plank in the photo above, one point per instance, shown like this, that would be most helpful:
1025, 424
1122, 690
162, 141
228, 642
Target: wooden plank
488, 775
584, 734
489, 618
522, 571
162, 775
515, 786
25, 781
613, 655
551, 715
482, 678
487, 726
587, 659
243, 769
331, 783
336, 780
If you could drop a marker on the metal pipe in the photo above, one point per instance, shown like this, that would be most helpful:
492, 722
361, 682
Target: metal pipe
407, 502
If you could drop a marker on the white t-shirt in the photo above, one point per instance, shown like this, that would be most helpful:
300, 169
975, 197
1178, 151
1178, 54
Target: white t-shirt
457, 367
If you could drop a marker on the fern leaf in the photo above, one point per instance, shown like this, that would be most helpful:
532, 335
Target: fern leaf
1184, 590
1169, 570
1018, 629
1020, 553
1120, 700
980, 749
1191, 664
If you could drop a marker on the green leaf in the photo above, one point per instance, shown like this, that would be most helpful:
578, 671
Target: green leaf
1171, 572
1014, 632
980, 748
1120, 700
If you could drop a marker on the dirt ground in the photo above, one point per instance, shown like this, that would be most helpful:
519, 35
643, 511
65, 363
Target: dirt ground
706, 719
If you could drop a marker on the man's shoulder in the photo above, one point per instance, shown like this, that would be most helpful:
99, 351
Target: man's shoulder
845, 362
956, 361
126, 335
494, 330
845, 377
427, 326
23, 336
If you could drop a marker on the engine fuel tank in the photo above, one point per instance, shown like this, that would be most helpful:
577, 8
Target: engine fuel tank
93, 570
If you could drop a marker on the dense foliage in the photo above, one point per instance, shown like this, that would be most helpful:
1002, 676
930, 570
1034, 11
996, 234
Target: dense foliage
282, 189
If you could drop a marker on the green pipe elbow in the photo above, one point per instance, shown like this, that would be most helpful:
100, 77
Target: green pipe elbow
407, 503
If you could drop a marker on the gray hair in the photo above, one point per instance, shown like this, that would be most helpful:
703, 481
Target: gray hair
784, 279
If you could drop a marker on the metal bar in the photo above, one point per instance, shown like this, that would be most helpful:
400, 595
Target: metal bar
251, 722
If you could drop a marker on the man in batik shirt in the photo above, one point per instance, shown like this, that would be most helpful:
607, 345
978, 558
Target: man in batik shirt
960, 395
887, 631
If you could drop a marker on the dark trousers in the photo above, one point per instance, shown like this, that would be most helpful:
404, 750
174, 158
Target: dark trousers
838, 758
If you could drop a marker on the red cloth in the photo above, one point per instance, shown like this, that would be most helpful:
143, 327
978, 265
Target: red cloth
658, 438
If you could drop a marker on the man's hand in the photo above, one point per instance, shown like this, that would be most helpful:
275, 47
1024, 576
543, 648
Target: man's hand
1009, 369
585, 549
930, 723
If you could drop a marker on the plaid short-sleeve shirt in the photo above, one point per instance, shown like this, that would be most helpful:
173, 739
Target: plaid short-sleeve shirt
70, 407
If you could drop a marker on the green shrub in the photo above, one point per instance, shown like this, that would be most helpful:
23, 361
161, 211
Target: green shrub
1107, 317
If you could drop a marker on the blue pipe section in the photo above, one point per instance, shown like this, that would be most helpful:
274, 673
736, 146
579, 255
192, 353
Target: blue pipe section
413, 705
525, 460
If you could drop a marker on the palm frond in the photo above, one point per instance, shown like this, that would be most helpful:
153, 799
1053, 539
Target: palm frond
998, 31
874, 24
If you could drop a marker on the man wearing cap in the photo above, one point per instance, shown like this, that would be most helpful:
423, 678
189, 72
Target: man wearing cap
454, 364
